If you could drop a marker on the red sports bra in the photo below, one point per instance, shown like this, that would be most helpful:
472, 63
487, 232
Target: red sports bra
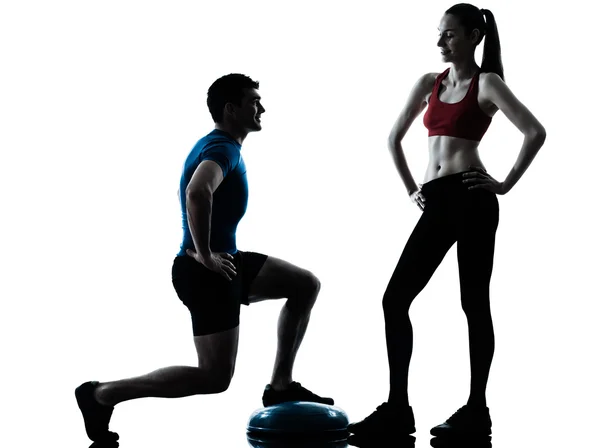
464, 119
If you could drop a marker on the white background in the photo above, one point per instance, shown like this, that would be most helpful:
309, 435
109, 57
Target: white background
100, 104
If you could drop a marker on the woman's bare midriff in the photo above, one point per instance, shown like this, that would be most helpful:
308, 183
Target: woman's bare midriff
451, 155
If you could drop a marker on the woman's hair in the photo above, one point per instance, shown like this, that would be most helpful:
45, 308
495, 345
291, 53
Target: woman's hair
471, 17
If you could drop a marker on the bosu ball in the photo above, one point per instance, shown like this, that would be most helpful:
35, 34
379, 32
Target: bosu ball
298, 420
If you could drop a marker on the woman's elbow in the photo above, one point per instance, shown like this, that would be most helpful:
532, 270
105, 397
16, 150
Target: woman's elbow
394, 140
537, 134
541, 136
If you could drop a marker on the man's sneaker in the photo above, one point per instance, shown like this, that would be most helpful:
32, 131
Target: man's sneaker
468, 420
95, 416
294, 392
386, 419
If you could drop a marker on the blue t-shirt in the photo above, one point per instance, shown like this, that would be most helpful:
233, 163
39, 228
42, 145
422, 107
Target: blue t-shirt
229, 200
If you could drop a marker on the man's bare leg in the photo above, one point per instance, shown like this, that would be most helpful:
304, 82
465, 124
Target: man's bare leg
216, 361
217, 354
291, 327
279, 279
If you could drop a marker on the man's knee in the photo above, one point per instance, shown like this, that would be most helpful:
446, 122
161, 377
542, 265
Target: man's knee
219, 380
313, 284
217, 355
306, 291
306, 285
222, 384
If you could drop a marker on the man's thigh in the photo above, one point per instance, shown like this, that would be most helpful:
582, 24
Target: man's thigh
213, 301
217, 352
278, 279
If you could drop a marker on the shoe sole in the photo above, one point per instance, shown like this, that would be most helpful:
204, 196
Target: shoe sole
390, 431
267, 402
460, 433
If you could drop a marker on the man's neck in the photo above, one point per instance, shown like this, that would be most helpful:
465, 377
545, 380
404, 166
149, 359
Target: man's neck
237, 134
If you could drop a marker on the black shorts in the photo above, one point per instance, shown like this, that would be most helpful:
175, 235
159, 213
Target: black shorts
214, 302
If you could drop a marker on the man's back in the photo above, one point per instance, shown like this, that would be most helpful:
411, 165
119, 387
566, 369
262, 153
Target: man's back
231, 198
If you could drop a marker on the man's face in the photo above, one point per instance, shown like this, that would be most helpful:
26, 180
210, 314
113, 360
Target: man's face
249, 112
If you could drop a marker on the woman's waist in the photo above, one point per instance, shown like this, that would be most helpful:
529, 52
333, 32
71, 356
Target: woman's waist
443, 149
452, 186
449, 160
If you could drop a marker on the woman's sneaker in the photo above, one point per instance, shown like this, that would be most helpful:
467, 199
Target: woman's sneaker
468, 420
386, 419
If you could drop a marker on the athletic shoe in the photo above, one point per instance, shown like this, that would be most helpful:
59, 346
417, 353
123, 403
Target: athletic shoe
294, 392
467, 420
95, 415
386, 419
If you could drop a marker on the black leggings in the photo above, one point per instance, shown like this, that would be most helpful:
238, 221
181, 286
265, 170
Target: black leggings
452, 214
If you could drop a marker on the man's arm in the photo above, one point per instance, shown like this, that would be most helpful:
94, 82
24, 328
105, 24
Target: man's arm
198, 198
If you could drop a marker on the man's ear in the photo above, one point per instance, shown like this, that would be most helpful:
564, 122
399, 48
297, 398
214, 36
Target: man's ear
229, 109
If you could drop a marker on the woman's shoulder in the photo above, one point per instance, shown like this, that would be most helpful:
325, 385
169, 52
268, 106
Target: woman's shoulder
427, 81
489, 78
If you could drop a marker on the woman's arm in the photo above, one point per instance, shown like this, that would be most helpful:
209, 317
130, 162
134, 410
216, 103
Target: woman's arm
496, 91
415, 104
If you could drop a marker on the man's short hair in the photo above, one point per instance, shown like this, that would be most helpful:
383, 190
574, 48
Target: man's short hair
227, 89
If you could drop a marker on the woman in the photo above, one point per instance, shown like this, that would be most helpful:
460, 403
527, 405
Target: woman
459, 204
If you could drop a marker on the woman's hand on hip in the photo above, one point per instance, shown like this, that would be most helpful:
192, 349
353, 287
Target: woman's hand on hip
418, 198
479, 178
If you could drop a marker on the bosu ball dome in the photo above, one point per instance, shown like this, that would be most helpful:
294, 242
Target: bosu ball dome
298, 420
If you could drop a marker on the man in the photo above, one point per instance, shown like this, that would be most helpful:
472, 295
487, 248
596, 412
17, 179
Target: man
212, 278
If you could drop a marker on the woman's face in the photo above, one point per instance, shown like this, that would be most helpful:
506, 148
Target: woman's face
454, 45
